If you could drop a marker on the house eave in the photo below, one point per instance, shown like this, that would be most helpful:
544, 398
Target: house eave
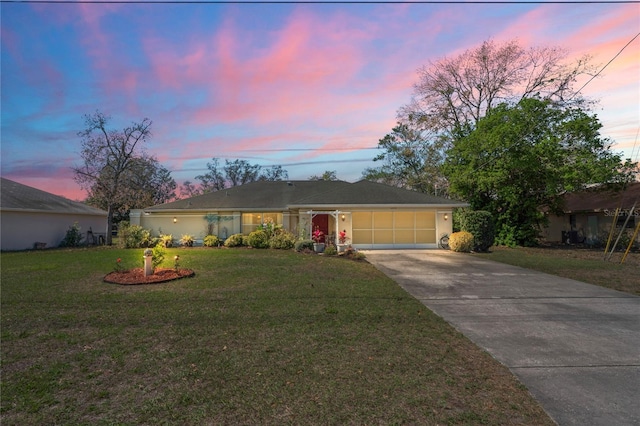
40, 211
375, 206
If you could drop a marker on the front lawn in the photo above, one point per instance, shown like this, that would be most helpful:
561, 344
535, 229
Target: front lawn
256, 337
582, 264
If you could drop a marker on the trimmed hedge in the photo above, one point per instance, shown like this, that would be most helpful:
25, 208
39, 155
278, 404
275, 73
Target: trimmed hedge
258, 239
211, 241
282, 240
235, 240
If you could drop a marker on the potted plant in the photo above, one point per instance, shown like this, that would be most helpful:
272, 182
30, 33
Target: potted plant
342, 241
318, 240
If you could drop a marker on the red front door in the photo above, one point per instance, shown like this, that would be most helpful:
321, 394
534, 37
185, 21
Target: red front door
322, 222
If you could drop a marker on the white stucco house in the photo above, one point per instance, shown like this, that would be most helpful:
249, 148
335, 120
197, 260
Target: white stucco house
29, 216
374, 215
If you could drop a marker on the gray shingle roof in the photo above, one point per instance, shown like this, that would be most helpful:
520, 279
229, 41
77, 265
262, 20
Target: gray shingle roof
371, 193
15, 196
279, 195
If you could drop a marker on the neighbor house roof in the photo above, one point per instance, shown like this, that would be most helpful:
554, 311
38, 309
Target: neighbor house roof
602, 198
279, 195
15, 196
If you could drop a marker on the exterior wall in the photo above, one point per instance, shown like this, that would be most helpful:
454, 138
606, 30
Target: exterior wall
21, 230
591, 228
365, 228
192, 223
395, 228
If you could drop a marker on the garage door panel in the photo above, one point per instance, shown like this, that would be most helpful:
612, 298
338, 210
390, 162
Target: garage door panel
427, 236
425, 220
382, 236
362, 220
383, 220
404, 237
362, 236
404, 220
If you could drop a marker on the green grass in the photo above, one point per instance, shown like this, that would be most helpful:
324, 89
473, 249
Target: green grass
256, 337
583, 265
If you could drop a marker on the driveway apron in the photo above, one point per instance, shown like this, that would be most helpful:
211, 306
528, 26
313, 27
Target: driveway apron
575, 346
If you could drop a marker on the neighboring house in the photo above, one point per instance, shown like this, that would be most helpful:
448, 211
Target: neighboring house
29, 216
587, 215
372, 214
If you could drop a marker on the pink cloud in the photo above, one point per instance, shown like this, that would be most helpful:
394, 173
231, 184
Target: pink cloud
288, 78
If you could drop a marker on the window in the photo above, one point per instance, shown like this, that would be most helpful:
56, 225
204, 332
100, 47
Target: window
251, 221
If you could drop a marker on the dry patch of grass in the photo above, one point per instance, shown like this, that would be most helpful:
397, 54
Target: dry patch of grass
256, 337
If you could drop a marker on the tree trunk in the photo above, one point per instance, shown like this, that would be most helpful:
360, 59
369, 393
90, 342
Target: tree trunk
108, 237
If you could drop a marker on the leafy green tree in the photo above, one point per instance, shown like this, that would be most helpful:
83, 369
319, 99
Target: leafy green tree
412, 160
520, 159
116, 171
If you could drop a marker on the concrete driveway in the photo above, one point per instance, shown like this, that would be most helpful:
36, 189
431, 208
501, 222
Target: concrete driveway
575, 346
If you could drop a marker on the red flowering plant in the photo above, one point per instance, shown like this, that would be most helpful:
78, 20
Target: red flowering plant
342, 236
317, 235
118, 267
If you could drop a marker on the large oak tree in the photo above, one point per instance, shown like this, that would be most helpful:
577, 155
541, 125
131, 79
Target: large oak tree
520, 159
453, 94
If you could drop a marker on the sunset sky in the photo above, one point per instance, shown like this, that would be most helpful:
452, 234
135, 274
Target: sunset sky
311, 87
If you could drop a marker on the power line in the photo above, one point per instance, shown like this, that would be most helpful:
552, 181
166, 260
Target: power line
187, 2
607, 64
301, 149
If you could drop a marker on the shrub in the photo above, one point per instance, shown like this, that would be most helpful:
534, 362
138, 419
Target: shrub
73, 237
269, 227
211, 241
461, 241
624, 238
330, 251
133, 236
302, 245
354, 254
166, 240
157, 256
187, 240
359, 256
282, 240
234, 240
258, 239
480, 224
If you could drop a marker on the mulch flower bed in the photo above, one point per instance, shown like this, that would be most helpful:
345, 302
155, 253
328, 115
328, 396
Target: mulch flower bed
136, 276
